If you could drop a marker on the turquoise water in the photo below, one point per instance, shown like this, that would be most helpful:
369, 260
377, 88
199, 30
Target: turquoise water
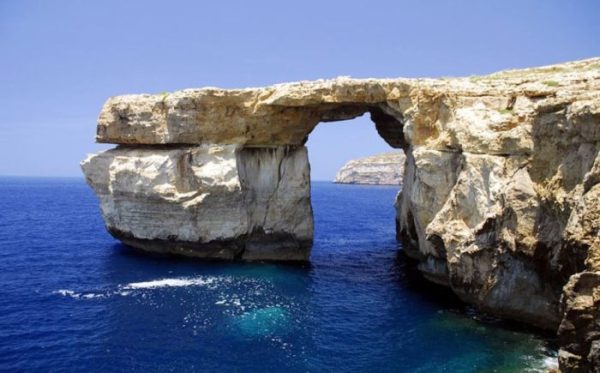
74, 299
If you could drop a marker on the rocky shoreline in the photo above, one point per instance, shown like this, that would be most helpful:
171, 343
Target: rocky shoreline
380, 169
500, 191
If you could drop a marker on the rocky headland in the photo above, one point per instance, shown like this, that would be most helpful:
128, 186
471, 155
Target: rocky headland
500, 191
380, 169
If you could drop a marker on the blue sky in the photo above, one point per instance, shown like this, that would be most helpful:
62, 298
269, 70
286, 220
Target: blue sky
60, 60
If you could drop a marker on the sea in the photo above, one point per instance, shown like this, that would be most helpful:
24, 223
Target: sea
74, 299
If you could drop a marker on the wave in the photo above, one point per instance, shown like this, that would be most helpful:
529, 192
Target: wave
125, 290
67, 293
75, 295
169, 282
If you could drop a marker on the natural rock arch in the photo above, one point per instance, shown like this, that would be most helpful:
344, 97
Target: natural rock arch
260, 205
500, 188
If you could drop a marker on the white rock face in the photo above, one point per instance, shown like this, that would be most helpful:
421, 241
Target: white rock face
380, 169
217, 201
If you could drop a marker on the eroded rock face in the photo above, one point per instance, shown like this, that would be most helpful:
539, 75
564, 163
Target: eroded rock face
380, 169
209, 201
579, 330
500, 195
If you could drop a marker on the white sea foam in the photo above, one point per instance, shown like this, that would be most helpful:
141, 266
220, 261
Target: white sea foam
169, 282
126, 290
67, 293
75, 295
550, 363
92, 296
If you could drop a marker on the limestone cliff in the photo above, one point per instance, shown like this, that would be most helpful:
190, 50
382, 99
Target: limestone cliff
500, 195
211, 201
380, 169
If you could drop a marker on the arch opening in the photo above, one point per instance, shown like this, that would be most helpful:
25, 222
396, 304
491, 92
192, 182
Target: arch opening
346, 134
254, 177
334, 143
388, 123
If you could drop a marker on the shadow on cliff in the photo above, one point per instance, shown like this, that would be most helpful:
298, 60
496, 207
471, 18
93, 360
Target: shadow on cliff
411, 280
128, 252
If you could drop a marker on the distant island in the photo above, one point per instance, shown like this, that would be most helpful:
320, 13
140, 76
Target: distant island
379, 169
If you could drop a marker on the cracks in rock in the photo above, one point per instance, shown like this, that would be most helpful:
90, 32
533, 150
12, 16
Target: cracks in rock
280, 160
259, 196
489, 154
511, 103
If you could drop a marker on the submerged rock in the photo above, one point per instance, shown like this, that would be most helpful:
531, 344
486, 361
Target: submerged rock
262, 322
380, 169
500, 191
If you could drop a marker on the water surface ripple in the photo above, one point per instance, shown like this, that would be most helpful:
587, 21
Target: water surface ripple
74, 299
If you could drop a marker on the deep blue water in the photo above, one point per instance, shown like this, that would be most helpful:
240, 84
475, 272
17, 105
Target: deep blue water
74, 299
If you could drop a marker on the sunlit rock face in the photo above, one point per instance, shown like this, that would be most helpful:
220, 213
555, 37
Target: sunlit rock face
380, 169
500, 195
208, 201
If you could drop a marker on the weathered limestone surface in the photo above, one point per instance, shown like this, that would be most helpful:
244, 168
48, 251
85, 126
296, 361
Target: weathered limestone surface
210, 201
579, 329
500, 195
380, 169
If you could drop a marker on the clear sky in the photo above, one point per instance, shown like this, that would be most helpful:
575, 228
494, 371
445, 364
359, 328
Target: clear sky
60, 60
